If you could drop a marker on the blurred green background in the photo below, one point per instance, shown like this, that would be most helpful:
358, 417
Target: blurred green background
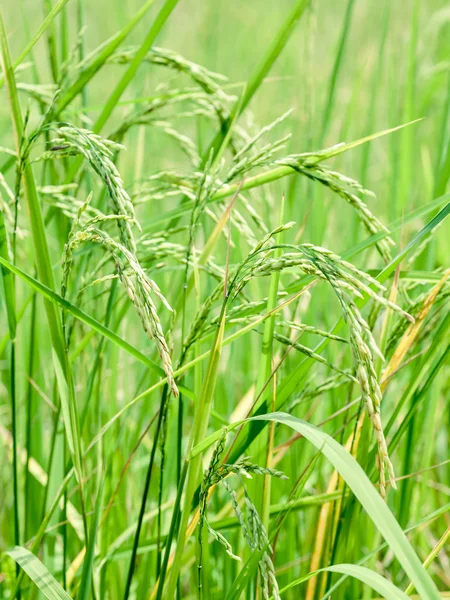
394, 68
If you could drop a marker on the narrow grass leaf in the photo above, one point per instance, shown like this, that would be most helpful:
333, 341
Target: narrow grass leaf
374, 580
38, 573
101, 57
88, 563
369, 498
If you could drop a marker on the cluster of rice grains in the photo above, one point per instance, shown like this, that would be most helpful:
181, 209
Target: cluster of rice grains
139, 286
252, 528
205, 187
348, 283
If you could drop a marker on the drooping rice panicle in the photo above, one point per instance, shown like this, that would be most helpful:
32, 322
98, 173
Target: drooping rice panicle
139, 287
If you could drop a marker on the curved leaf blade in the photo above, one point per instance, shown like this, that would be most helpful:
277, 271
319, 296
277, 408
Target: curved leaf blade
371, 501
371, 578
38, 573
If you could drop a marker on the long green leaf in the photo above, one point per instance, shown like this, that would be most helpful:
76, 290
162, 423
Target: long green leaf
369, 498
88, 563
41, 250
263, 68
121, 86
42, 29
371, 501
38, 573
198, 432
374, 580
69, 413
81, 315
245, 575
101, 57
375, 552
336, 68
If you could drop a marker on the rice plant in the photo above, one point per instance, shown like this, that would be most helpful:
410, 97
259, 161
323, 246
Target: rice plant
225, 300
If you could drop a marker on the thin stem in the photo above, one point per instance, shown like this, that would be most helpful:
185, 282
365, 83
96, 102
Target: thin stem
145, 496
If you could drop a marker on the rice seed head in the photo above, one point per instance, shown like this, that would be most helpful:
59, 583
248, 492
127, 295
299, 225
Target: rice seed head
139, 287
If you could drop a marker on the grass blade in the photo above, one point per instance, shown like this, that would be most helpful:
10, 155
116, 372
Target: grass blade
38, 574
42, 258
115, 96
336, 68
101, 57
81, 315
46, 23
369, 498
88, 564
256, 79
376, 582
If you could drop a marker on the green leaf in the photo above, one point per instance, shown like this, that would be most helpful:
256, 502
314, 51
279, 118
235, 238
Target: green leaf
198, 432
121, 86
38, 573
371, 501
8, 282
273, 52
369, 498
211, 439
70, 415
374, 580
42, 29
101, 57
81, 315
429, 227
337, 67
245, 575
88, 563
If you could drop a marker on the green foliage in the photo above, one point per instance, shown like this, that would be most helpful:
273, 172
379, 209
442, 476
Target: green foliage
174, 275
